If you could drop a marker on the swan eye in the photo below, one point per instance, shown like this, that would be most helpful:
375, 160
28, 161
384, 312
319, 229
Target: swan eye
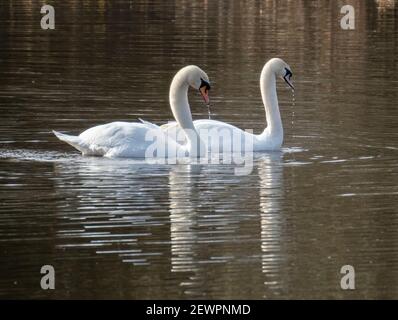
204, 83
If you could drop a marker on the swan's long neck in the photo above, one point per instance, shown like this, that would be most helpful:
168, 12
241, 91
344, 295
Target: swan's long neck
270, 100
182, 113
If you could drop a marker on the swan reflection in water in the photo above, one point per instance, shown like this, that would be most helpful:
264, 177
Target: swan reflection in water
189, 237
199, 219
110, 205
183, 218
270, 172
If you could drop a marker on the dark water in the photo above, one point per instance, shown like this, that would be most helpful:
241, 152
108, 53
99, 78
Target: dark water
126, 229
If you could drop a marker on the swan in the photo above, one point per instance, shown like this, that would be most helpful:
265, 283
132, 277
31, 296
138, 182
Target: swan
272, 136
130, 139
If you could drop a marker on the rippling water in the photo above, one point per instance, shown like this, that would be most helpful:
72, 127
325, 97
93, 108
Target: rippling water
128, 229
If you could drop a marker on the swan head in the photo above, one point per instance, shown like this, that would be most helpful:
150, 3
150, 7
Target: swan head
199, 80
282, 70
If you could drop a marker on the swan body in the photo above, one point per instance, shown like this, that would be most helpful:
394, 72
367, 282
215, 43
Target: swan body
220, 136
133, 140
114, 140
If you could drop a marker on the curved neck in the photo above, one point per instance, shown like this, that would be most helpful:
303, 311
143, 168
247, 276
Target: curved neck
182, 113
270, 101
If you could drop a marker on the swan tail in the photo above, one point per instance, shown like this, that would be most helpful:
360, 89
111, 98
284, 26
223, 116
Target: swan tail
149, 123
74, 141
168, 125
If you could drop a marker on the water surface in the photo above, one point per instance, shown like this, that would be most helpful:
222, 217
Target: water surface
128, 229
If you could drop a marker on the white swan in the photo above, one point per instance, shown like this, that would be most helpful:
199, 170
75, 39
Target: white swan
270, 139
130, 139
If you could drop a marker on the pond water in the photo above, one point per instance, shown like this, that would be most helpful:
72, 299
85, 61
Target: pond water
129, 229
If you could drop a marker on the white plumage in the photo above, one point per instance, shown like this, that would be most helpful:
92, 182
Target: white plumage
221, 137
142, 140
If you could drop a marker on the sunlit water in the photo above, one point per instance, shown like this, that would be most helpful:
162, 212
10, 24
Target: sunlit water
129, 229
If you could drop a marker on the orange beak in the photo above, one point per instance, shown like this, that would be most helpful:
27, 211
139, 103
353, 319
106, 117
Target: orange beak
204, 91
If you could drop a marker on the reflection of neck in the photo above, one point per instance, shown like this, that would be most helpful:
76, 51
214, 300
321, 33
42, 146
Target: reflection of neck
270, 173
182, 113
182, 219
270, 101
